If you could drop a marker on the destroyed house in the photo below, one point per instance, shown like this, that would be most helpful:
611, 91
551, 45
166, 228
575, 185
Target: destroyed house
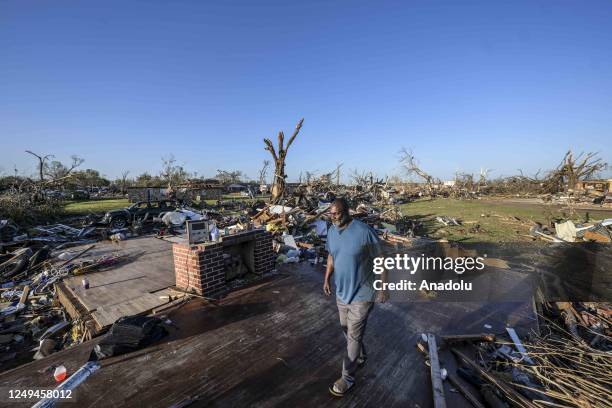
594, 185
136, 194
235, 188
200, 192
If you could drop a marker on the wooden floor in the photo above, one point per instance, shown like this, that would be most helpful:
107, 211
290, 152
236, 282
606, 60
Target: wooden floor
276, 344
130, 287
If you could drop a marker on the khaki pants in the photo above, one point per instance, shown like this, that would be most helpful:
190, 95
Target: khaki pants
353, 319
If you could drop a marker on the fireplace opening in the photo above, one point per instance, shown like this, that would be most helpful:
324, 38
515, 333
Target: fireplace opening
239, 260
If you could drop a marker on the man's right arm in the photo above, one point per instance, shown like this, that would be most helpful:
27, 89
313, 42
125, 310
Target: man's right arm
328, 274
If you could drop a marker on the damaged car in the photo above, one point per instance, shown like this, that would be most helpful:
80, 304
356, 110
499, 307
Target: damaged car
140, 210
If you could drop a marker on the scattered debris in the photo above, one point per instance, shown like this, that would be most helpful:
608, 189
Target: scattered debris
129, 334
70, 384
565, 363
448, 221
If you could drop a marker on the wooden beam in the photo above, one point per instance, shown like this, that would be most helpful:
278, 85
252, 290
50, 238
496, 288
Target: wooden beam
482, 337
455, 382
24, 295
464, 391
436, 378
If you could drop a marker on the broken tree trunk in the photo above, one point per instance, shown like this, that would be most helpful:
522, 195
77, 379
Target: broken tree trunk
278, 184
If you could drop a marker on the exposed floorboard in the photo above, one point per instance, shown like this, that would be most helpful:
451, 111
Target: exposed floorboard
126, 288
276, 344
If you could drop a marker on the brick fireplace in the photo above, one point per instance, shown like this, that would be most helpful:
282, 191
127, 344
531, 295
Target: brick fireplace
204, 267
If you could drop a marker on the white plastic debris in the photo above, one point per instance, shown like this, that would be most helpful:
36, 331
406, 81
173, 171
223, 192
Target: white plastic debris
290, 241
566, 231
64, 256
278, 209
174, 218
191, 215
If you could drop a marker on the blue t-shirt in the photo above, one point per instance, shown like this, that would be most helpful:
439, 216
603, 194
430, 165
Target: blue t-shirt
353, 250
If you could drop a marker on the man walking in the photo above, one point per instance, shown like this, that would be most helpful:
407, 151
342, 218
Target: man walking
352, 246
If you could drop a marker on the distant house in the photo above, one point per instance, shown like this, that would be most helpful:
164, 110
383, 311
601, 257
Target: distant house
136, 194
198, 190
291, 187
594, 185
234, 188
209, 192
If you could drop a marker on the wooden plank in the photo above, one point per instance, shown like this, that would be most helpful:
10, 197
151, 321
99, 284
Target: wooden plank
149, 267
107, 315
455, 382
24, 295
436, 378
464, 391
483, 337
69, 301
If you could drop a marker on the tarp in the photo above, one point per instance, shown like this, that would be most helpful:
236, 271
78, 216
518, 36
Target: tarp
174, 218
566, 231
128, 334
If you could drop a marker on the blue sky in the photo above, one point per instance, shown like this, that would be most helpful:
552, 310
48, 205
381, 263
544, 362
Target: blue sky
464, 84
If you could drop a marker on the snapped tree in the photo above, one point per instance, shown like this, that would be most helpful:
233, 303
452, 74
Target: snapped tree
279, 155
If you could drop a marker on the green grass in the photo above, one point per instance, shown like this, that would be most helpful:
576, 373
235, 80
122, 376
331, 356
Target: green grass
101, 206
94, 206
497, 225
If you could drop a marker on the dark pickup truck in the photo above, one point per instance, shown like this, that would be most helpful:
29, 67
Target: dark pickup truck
142, 209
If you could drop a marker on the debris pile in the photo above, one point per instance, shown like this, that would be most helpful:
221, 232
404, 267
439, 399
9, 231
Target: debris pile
31, 319
565, 362
569, 232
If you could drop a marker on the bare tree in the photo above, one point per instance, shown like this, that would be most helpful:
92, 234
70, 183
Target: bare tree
573, 169
229, 176
482, 181
58, 171
309, 176
263, 172
172, 174
279, 156
361, 178
42, 160
411, 166
55, 170
124, 175
338, 166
